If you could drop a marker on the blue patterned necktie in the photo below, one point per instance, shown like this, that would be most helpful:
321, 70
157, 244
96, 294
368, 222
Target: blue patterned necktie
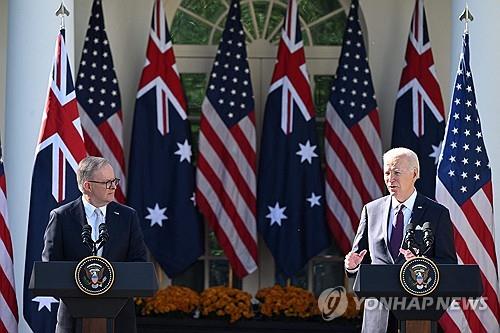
397, 233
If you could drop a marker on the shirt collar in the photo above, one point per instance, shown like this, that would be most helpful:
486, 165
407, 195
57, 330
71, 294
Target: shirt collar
90, 209
409, 203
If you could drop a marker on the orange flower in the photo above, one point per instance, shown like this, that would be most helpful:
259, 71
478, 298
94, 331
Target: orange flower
226, 302
289, 302
170, 299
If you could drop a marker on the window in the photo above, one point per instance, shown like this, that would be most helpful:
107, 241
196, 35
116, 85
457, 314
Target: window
196, 28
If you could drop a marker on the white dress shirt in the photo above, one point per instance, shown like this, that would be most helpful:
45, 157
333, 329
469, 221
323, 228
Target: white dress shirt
407, 212
94, 219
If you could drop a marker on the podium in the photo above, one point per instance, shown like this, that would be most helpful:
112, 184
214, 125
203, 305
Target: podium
57, 279
383, 283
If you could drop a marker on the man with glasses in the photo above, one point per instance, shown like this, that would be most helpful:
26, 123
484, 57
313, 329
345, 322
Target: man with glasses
379, 239
63, 241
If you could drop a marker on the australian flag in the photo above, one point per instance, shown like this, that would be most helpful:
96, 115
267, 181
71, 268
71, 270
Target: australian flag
291, 212
60, 148
419, 116
161, 171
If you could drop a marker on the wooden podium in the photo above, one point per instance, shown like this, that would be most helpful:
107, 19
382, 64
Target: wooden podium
383, 282
57, 279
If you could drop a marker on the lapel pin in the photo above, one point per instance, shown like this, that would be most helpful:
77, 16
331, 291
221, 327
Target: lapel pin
116, 213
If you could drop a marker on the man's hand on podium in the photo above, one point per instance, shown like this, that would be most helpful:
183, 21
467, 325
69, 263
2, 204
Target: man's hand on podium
353, 259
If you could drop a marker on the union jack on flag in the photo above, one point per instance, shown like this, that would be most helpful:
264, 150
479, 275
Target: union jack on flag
161, 170
225, 178
353, 147
419, 116
60, 148
291, 215
464, 186
98, 98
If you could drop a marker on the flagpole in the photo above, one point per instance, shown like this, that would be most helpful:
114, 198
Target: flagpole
62, 12
467, 17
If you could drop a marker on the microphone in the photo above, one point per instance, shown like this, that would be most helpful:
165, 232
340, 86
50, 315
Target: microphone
87, 237
409, 239
428, 236
103, 235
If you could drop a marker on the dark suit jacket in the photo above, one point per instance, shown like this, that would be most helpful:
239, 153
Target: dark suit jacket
63, 242
372, 235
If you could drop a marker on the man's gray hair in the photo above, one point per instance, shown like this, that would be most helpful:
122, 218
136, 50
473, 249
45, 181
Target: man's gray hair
87, 167
409, 154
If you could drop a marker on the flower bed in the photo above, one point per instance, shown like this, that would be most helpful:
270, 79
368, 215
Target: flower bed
222, 309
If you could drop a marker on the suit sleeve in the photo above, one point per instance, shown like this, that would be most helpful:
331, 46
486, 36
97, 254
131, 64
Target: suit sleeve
52, 239
444, 244
136, 248
360, 242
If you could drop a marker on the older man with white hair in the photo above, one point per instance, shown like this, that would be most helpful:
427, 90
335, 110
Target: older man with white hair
379, 239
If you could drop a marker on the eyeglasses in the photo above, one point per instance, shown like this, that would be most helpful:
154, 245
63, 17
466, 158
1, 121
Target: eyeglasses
108, 183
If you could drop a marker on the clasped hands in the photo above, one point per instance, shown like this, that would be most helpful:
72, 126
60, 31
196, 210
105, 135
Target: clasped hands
353, 260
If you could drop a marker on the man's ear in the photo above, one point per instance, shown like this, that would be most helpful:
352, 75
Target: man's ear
86, 186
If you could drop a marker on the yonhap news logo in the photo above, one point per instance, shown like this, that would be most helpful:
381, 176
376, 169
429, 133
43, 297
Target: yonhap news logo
333, 303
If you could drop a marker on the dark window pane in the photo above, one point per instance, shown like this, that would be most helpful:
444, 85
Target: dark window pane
214, 248
194, 87
277, 16
329, 31
311, 10
327, 274
322, 90
189, 30
208, 9
192, 277
246, 19
219, 274
260, 9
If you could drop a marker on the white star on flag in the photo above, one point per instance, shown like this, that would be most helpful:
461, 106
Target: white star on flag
45, 302
436, 151
306, 152
156, 215
276, 214
314, 199
184, 151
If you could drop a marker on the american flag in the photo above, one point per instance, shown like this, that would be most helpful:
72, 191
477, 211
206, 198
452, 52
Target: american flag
419, 116
464, 186
98, 98
8, 303
225, 179
353, 148
60, 148
291, 210
161, 170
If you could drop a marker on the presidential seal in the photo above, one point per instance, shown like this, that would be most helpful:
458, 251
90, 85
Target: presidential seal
419, 276
94, 275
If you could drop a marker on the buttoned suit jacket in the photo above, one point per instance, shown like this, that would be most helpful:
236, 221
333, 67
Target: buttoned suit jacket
63, 242
372, 235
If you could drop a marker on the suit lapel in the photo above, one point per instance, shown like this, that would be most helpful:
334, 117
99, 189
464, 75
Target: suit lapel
112, 216
79, 213
419, 208
385, 217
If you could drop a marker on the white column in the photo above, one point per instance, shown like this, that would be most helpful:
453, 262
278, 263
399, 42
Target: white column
485, 64
32, 31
